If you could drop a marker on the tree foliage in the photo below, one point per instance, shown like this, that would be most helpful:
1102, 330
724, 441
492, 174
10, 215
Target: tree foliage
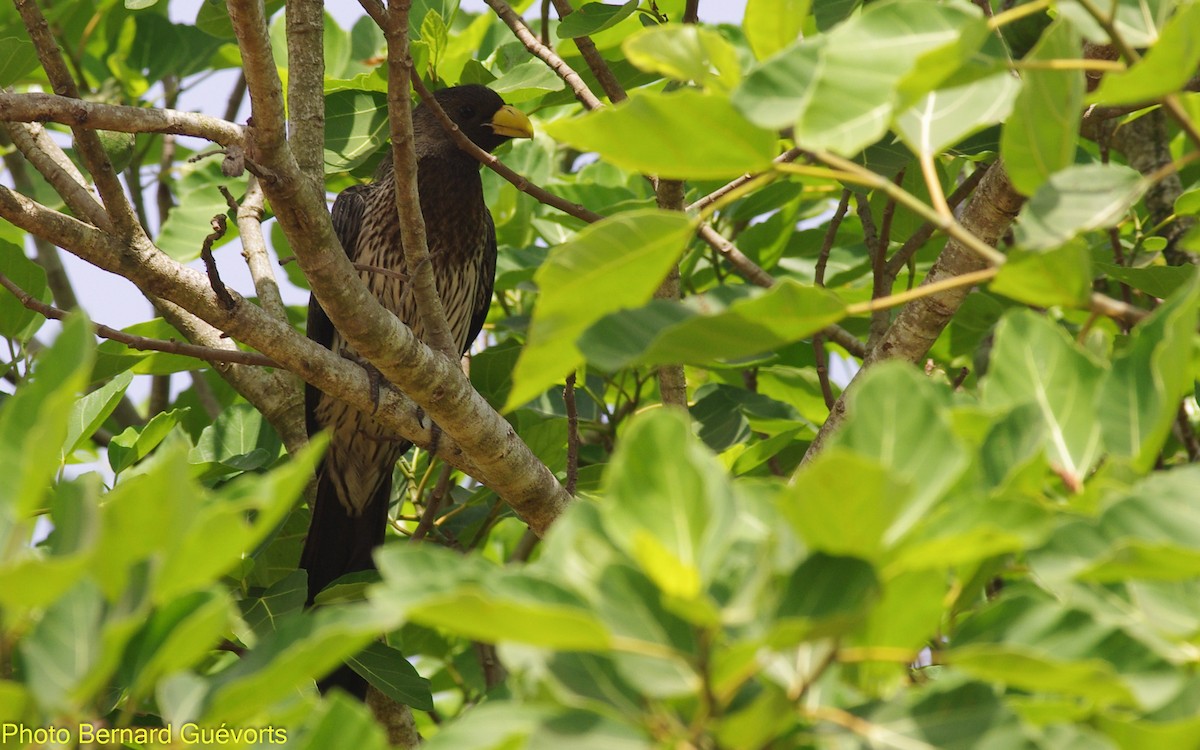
862, 335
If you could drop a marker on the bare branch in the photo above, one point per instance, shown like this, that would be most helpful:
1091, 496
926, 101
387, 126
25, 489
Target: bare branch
612, 87
97, 116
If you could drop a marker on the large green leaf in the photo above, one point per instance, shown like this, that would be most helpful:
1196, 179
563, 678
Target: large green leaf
707, 328
1077, 199
685, 134
1140, 397
772, 25
673, 504
34, 421
613, 264
1165, 69
1039, 137
355, 127
944, 117
1061, 276
1035, 362
685, 52
898, 417
388, 670
839, 89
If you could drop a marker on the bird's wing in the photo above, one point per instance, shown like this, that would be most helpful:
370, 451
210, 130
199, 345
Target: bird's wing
487, 280
347, 217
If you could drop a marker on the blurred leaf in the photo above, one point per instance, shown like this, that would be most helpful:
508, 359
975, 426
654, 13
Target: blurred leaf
64, 646
33, 422
706, 328
338, 721
1039, 137
685, 52
199, 199
1034, 361
898, 418
672, 504
1157, 281
1165, 69
177, 636
944, 117
1025, 668
1139, 399
286, 597
685, 134
614, 263
507, 725
1077, 199
18, 59
1061, 276
772, 25
825, 596
17, 322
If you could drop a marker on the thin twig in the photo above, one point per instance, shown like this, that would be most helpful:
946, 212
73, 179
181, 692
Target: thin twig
918, 239
210, 263
612, 87
572, 434
699, 205
544, 53
141, 343
433, 506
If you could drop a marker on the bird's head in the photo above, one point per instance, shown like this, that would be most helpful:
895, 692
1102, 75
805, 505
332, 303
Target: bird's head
483, 116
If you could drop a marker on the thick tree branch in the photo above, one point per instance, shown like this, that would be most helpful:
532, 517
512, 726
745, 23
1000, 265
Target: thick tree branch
404, 173
45, 155
306, 79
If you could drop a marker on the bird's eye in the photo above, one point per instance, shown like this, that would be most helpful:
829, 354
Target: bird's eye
467, 112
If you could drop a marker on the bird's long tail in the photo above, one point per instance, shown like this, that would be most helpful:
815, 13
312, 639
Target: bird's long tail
339, 543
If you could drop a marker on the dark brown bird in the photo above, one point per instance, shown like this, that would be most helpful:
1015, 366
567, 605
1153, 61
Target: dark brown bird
354, 480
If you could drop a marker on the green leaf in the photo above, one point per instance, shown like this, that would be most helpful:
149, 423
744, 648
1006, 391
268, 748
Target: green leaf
1034, 361
240, 438
705, 328
474, 599
177, 636
1164, 70
898, 417
285, 597
526, 81
824, 596
89, 412
64, 645
1039, 137
772, 25
1077, 199
1140, 397
843, 504
839, 89
685, 134
944, 117
1157, 281
16, 321
355, 128
304, 648
614, 263
508, 725
388, 670
1028, 669
338, 721
685, 52
18, 59
1062, 276
672, 504
594, 17
135, 443
33, 422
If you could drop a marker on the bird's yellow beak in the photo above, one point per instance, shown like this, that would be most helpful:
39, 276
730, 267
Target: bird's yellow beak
511, 122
